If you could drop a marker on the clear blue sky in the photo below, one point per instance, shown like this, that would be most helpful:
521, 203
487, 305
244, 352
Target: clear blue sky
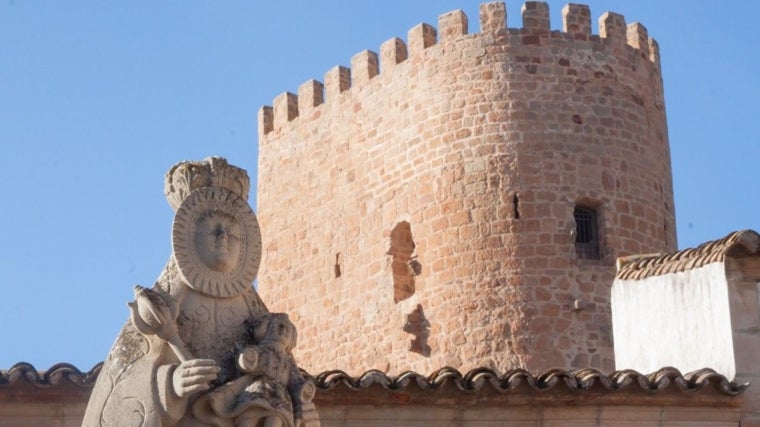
98, 99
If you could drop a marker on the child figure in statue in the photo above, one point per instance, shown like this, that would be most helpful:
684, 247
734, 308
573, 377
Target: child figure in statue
264, 395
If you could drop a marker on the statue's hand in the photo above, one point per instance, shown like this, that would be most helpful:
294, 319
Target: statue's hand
194, 376
248, 360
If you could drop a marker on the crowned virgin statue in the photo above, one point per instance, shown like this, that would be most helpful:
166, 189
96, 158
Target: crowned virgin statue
200, 347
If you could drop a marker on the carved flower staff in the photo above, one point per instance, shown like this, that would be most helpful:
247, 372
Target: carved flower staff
151, 315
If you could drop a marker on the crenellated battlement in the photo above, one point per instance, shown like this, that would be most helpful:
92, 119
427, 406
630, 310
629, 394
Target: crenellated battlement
452, 26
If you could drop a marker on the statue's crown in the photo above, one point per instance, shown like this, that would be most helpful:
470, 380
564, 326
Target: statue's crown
184, 177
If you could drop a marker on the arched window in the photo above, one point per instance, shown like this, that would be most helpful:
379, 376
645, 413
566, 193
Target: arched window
586, 233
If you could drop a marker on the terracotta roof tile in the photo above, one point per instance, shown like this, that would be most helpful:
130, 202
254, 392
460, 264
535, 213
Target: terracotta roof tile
58, 374
637, 267
580, 380
61, 377
62, 374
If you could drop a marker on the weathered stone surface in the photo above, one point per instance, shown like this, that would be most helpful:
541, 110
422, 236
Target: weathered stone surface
201, 348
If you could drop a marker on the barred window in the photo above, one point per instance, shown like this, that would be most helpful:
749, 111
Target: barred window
586, 233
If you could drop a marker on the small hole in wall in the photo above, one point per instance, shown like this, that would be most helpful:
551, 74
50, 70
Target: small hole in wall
516, 206
415, 266
337, 265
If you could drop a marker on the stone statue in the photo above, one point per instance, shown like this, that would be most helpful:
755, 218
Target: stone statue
200, 347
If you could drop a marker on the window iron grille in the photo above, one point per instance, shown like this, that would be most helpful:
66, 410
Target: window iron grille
586, 233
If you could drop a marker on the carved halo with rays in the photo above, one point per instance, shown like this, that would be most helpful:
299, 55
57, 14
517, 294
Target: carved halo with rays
195, 273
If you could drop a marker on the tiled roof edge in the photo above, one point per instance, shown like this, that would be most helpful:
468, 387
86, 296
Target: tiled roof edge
50, 378
579, 380
639, 267
472, 381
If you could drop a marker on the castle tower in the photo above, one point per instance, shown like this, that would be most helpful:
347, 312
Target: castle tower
460, 199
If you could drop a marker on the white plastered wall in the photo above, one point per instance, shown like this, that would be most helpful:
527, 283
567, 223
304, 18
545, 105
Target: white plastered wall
677, 319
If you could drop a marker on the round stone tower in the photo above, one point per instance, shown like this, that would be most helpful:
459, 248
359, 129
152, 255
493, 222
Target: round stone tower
460, 199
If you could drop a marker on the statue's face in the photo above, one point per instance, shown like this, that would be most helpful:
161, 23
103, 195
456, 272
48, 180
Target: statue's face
217, 240
281, 330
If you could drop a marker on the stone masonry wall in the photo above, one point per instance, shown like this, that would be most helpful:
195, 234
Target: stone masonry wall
417, 208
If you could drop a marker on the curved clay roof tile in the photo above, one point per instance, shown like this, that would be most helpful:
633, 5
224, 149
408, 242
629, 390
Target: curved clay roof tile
474, 380
745, 242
